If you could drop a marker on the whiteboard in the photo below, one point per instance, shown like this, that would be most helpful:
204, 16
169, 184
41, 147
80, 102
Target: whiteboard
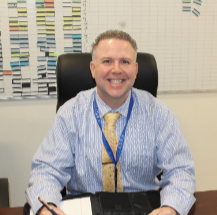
182, 35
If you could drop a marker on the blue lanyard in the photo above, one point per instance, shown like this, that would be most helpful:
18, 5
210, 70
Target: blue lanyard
121, 140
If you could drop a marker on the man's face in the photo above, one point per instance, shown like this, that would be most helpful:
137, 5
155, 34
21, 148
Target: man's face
114, 69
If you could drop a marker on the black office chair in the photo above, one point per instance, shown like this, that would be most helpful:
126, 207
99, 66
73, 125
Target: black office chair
4, 193
73, 75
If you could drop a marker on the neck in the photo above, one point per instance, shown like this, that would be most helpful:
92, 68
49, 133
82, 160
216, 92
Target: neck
114, 104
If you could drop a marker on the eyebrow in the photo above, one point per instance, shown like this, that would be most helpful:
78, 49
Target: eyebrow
123, 58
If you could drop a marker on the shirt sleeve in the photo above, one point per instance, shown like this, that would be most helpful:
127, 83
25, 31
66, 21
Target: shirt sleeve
174, 158
51, 165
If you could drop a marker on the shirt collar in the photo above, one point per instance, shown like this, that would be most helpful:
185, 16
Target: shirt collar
104, 108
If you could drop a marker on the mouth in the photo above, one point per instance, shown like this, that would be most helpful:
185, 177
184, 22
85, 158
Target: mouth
115, 81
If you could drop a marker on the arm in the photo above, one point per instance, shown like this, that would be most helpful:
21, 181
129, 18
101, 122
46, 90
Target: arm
51, 165
174, 158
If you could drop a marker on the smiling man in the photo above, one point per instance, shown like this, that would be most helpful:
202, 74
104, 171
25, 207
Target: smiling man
114, 138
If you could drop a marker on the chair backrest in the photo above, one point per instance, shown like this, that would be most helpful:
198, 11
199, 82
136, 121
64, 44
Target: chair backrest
4, 193
73, 75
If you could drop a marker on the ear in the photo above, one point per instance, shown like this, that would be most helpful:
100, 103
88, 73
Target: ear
92, 69
136, 68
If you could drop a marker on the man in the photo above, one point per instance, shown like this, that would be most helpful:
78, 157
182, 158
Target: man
74, 152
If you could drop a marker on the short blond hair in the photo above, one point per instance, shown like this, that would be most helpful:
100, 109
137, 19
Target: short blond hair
117, 34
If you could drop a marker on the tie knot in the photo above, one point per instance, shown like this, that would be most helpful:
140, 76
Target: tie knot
111, 118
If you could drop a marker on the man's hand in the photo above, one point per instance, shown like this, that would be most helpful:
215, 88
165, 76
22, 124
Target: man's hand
45, 211
163, 211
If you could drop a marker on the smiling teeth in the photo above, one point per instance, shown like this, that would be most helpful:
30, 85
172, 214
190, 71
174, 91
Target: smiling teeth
115, 81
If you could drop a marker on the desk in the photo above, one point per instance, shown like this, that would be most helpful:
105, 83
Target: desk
206, 204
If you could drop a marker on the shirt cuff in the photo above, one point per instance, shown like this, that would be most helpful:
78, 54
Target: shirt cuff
181, 208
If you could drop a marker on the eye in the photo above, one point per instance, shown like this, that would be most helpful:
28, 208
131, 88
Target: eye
125, 62
107, 61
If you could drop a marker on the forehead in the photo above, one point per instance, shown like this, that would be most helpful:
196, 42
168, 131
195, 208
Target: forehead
114, 47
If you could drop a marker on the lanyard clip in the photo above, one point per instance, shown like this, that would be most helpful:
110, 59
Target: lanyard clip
116, 175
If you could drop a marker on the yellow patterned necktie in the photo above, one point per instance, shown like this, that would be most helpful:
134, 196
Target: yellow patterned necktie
108, 167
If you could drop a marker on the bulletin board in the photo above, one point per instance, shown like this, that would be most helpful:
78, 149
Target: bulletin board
182, 35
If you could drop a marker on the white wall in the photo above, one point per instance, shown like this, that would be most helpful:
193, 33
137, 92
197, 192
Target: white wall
23, 125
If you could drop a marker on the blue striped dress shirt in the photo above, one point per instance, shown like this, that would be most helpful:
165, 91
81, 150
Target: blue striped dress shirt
71, 152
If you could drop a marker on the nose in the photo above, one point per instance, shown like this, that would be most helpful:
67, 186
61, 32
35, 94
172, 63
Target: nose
116, 67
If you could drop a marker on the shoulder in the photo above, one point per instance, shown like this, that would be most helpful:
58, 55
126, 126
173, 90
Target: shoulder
151, 106
146, 99
152, 109
80, 103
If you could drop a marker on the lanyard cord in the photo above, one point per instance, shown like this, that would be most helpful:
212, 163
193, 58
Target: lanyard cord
122, 137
